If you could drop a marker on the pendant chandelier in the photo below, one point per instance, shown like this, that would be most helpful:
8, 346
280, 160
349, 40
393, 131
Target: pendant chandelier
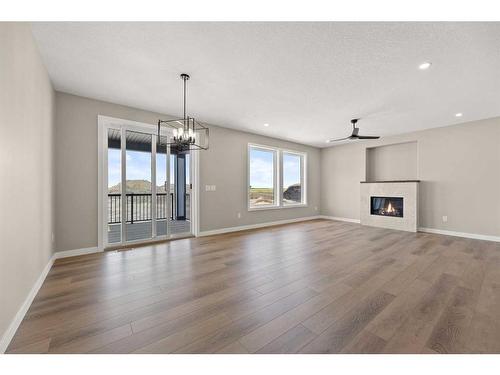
187, 133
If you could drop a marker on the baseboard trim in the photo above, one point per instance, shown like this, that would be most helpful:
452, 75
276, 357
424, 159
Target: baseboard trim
76, 252
357, 221
18, 318
256, 226
460, 234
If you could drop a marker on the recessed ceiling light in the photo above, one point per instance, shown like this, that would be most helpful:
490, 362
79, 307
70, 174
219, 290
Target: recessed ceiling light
266, 125
327, 141
424, 66
459, 114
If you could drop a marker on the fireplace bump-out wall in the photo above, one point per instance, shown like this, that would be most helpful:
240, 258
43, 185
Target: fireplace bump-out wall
390, 204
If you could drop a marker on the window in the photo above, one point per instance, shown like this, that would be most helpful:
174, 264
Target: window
272, 170
262, 174
292, 167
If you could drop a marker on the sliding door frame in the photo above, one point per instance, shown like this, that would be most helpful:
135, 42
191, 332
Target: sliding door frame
104, 123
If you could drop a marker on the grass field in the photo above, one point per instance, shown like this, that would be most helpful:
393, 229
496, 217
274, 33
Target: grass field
261, 196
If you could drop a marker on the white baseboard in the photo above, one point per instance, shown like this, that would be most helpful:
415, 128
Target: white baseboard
460, 234
256, 226
14, 325
72, 253
340, 219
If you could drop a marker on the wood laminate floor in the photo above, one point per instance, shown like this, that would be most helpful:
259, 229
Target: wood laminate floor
312, 287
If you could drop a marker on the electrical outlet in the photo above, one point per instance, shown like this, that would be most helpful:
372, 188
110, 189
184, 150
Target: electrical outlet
213, 187
445, 219
315, 208
207, 188
53, 237
239, 215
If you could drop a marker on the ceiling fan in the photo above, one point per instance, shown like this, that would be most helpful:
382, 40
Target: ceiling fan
354, 135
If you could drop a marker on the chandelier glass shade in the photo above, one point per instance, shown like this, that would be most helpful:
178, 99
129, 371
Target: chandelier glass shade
187, 133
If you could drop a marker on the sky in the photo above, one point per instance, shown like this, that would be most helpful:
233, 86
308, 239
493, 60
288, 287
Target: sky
138, 167
261, 169
291, 170
114, 169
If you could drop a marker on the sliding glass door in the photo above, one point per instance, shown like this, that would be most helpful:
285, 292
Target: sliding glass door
148, 187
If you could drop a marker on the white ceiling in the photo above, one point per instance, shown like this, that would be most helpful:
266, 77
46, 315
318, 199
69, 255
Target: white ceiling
307, 80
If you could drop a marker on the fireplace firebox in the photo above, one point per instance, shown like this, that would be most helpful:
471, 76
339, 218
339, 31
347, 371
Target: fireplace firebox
386, 206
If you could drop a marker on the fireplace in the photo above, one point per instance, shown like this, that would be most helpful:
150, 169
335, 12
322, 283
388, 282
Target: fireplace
389, 204
386, 206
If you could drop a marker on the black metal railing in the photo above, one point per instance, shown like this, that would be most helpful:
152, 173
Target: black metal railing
139, 207
114, 208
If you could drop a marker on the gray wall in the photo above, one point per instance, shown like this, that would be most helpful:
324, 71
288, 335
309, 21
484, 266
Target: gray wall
26, 168
393, 162
224, 165
459, 167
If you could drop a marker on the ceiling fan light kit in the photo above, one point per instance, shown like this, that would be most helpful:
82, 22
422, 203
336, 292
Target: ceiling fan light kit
354, 135
187, 133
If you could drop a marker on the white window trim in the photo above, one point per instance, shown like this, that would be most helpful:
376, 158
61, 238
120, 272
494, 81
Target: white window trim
278, 178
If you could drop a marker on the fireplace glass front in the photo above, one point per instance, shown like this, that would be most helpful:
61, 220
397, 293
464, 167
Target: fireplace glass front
386, 206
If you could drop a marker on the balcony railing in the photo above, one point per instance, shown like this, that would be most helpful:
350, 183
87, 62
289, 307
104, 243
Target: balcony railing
139, 207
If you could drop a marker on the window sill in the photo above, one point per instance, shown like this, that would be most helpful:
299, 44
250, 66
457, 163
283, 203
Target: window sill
298, 205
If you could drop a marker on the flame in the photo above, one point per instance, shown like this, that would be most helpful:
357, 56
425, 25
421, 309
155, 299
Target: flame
390, 208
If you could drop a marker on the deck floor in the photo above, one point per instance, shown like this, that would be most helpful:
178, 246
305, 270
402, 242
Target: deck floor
143, 229
312, 287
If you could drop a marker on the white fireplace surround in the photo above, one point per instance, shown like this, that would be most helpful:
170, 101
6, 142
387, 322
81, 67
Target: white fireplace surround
408, 190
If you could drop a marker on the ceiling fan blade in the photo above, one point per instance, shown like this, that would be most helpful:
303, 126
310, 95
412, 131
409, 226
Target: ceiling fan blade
339, 139
368, 137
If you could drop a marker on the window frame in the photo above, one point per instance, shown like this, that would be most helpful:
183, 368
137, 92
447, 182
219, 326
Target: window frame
278, 177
